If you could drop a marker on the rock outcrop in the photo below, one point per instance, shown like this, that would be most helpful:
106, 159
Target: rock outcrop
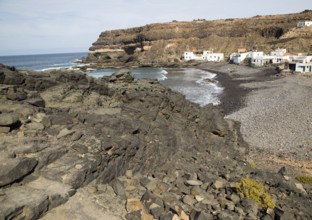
118, 147
164, 43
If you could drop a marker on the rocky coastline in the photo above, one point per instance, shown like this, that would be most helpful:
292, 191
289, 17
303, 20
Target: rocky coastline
75, 147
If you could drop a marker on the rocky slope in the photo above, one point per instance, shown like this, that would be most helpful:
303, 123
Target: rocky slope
73, 147
164, 44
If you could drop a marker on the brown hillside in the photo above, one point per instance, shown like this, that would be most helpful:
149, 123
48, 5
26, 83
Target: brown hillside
163, 43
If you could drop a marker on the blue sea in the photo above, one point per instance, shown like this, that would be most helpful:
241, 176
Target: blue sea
43, 61
197, 85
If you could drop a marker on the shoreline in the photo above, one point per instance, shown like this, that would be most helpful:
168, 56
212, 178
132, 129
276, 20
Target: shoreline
230, 77
273, 113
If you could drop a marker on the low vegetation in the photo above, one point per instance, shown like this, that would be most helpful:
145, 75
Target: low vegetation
304, 179
249, 188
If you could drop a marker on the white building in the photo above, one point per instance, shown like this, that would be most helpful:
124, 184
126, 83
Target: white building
239, 58
278, 52
280, 59
301, 64
303, 67
192, 56
206, 55
301, 59
188, 55
213, 57
304, 23
261, 60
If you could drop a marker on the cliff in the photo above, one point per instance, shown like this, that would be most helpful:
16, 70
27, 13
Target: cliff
164, 43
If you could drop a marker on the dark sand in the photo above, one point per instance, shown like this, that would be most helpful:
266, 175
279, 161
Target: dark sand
274, 112
231, 77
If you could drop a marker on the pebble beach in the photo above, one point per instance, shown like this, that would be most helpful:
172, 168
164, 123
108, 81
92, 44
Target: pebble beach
274, 112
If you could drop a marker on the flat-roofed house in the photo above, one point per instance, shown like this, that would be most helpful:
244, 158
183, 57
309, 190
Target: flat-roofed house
304, 24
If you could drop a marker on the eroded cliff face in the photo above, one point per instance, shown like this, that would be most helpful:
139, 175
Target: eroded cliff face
159, 44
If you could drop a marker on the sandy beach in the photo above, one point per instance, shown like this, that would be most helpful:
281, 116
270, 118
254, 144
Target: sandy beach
274, 111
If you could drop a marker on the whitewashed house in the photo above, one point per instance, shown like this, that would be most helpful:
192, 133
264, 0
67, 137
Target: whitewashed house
301, 64
188, 55
192, 56
278, 52
205, 55
301, 59
261, 60
239, 58
304, 24
303, 67
213, 57
280, 59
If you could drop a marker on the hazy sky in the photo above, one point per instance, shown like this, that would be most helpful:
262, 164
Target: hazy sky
50, 26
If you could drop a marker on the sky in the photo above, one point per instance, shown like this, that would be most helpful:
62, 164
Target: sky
60, 26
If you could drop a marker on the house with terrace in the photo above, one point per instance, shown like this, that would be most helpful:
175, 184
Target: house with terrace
302, 64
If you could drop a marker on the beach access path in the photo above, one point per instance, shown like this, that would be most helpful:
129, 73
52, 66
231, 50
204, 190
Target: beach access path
275, 113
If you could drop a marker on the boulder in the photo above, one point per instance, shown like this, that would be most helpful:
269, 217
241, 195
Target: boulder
64, 132
119, 188
12, 78
122, 76
5, 130
156, 210
12, 170
200, 215
38, 102
134, 204
16, 95
219, 184
35, 126
8, 119
189, 200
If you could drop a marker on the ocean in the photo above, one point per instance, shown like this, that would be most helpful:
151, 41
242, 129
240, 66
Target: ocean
198, 86
43, 61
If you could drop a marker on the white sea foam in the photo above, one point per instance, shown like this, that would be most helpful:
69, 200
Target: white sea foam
51, 68
162, 77
164, 72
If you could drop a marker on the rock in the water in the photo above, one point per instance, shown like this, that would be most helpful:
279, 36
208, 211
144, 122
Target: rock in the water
8, 119
12, 170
